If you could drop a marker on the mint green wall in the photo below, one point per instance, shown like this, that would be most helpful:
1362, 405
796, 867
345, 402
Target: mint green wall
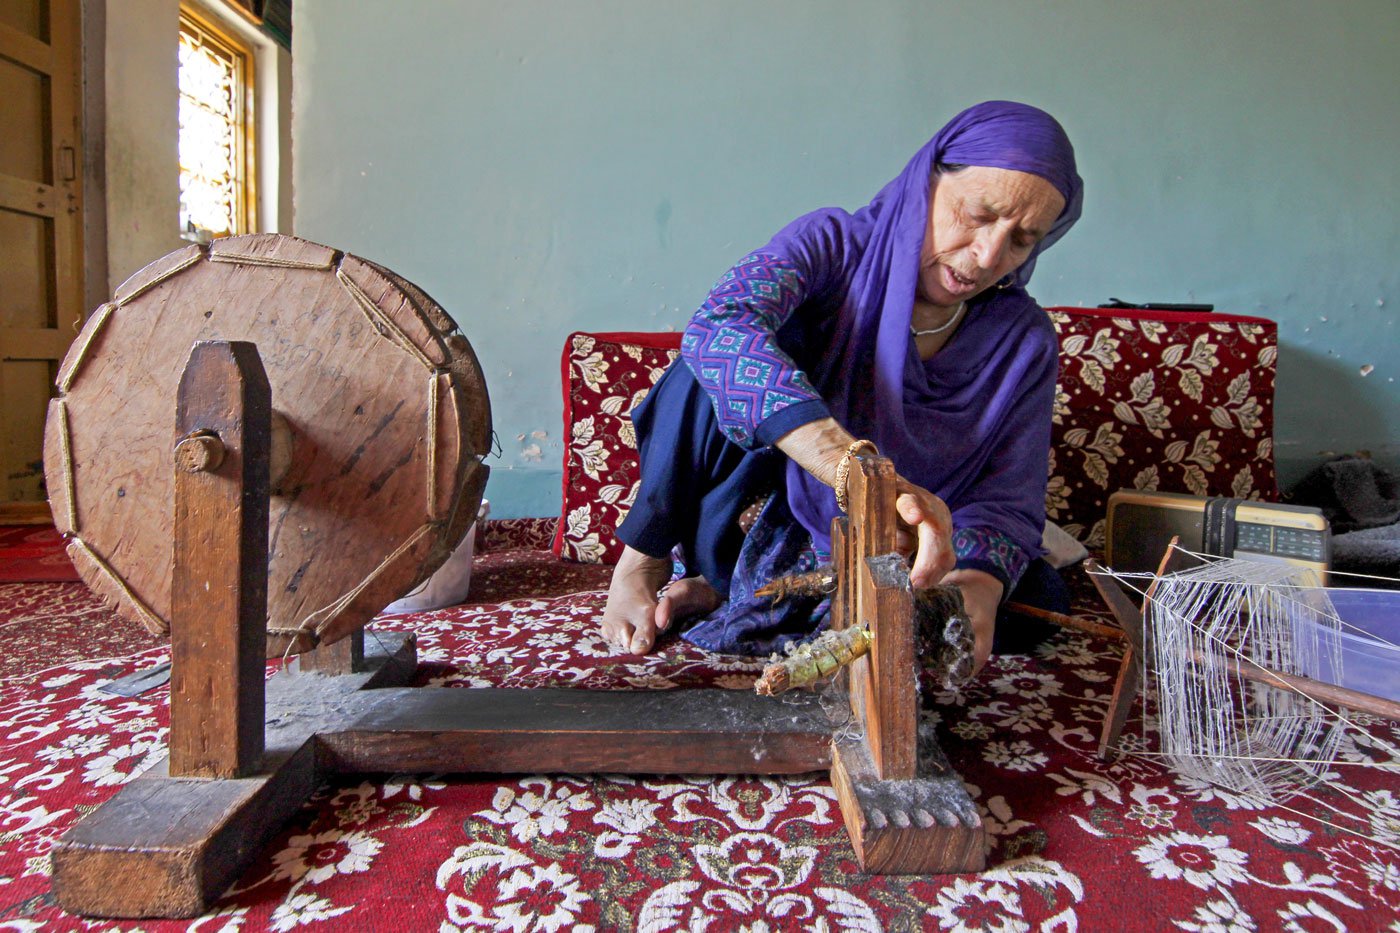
541, 166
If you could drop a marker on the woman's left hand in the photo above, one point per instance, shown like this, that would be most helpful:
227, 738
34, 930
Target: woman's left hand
981, 597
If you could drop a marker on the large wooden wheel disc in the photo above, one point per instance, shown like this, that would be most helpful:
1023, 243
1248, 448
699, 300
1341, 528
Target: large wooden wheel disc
379, 406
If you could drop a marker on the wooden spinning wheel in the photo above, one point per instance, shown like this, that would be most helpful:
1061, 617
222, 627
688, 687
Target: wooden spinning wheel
380, 422
384, 420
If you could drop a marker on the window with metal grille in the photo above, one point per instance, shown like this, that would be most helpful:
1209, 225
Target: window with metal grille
216, 133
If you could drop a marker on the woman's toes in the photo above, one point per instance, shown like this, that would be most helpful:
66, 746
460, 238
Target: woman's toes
615, 634
643, 640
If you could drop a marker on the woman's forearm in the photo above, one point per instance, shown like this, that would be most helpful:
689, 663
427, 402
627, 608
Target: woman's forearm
926, 528
817, 447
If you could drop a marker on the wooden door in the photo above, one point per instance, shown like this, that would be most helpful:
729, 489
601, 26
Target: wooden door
40, 232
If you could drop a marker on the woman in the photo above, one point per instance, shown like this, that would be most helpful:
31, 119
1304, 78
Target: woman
906, 325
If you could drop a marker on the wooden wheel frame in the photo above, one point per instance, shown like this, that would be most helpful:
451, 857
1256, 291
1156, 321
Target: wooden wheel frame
380, 424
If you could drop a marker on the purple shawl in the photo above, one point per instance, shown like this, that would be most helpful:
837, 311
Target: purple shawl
972, 425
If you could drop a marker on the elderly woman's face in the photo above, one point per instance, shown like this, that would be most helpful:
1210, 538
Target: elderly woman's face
982, 224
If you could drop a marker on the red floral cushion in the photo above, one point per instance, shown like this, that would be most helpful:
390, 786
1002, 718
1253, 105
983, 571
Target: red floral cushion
1159, 400
605, 376
1146, 400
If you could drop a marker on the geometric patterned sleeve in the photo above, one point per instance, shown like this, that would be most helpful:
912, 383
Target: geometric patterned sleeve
992, 552
759, 393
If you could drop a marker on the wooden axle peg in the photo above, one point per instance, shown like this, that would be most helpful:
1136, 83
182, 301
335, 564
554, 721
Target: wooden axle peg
280, 453
203, 451
200, 452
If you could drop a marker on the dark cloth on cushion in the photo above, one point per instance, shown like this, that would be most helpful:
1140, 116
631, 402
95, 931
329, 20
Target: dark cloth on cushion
1361, 500
1353, 492
1374, 552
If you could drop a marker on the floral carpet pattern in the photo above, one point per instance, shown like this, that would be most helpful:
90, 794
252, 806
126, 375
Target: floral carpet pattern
1075, 843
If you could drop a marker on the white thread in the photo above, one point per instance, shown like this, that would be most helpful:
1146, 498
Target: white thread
1205, 711
1201, 627
1335, 573
1313, 761
1303, 585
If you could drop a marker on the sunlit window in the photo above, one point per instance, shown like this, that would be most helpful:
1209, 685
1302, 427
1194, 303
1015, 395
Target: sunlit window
215, 138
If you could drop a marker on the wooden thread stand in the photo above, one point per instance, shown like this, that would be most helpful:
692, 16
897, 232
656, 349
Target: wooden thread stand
1128, 684
246, 752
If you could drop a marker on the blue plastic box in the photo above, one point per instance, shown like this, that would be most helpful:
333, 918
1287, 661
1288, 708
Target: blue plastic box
1369, 639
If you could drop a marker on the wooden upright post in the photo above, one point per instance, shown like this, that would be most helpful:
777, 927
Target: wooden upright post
219, 592
1130, 617
884, 603
906, 810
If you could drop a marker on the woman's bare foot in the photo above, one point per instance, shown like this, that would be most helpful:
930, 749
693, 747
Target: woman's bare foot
629, 618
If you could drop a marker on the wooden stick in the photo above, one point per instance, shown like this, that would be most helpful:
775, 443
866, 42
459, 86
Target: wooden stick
1074, 622
1312, 689
1126, 685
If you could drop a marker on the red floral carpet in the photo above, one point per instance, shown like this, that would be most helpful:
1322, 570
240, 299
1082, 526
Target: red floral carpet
1075, 843
33, 554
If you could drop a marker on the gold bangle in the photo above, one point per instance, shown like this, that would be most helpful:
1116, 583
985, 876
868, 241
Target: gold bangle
843, 469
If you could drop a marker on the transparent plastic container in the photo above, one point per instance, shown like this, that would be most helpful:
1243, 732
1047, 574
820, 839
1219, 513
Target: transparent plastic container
1369, 640
451, 582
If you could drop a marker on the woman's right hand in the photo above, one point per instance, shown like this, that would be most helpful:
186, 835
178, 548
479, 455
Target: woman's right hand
926, 527
926, 532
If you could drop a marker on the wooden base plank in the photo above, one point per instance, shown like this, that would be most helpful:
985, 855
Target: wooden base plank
168, 847
544, 731
927, 825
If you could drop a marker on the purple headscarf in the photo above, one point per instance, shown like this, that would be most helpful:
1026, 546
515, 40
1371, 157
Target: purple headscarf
943, 422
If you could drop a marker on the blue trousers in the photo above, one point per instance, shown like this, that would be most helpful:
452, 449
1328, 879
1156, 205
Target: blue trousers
694, 481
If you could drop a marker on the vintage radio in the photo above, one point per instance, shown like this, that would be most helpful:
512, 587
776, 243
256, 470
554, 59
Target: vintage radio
1141, 523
